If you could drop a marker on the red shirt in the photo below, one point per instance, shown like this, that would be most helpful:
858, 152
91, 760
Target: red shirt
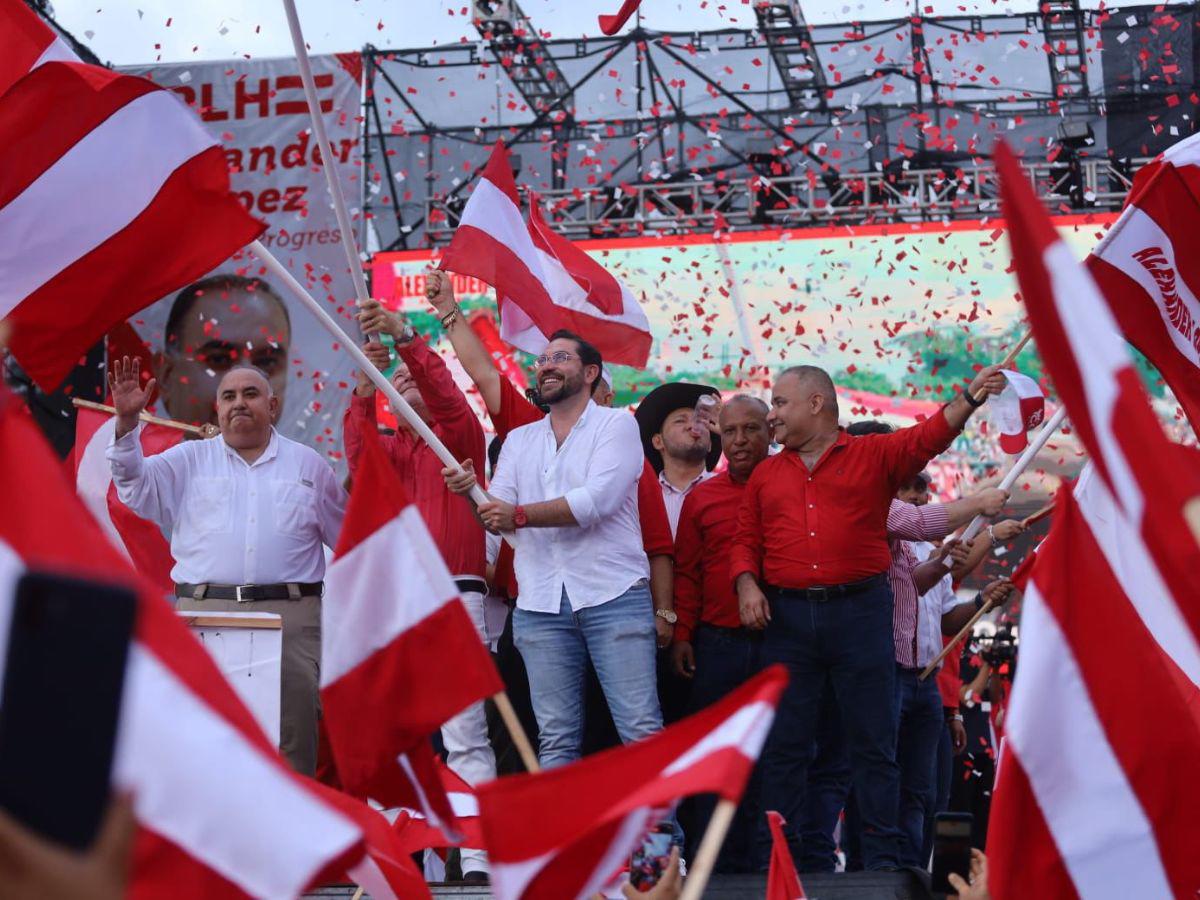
704, 591
799, 529
949, 679
450, 520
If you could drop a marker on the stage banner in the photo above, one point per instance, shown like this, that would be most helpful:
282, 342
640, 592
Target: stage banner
257, 110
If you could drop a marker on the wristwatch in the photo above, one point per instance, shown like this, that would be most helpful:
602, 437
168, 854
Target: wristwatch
520, 520
668, 615
406, 334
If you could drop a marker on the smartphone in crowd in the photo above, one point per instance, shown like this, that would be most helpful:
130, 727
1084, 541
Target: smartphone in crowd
64, 672
651, 859
951, 849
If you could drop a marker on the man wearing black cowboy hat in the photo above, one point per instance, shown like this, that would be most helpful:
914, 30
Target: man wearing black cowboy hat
680, 448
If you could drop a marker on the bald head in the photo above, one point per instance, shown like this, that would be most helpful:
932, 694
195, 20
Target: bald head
804, 406
242, 373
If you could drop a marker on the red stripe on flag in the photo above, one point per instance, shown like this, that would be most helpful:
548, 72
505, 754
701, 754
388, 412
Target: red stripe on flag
192, 225
477, 253
1023, 860
25, 39
499, 172
368, 511
85, 97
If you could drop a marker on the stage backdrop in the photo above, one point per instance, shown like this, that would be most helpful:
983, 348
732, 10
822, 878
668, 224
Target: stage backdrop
885, 309
257, 110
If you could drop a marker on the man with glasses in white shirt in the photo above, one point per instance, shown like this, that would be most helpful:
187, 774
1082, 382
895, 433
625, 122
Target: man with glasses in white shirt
566, 488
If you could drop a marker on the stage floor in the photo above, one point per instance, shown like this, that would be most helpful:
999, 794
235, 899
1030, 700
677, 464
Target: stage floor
852, 886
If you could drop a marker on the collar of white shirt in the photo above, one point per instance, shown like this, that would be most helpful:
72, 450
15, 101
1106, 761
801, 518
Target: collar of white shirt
703, 476
267, 455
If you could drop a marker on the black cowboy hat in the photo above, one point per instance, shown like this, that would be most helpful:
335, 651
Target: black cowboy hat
660, 403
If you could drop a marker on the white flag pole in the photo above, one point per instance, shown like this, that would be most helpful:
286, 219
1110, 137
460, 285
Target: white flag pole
399, 404
1019, 467
318, 126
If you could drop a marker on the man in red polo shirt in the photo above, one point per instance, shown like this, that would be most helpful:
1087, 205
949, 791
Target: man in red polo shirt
711, 646
809, 564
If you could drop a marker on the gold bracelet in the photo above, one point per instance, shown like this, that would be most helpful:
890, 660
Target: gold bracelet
451, 317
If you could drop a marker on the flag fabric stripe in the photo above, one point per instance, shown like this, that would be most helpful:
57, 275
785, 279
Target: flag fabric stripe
96, 96
93, 475
1137, 577
368, 619
1101, 830
744, 732
157, 759
191, 226
28, 42
38, 247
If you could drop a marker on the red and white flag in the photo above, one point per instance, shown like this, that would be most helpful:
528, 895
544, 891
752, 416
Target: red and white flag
28, 43
400, 655
1088, 362
543, 282
1020, 407
783, 881
114, 201
542, 847
220, 814
1148, 266
416, 832
140, 540
1093, 797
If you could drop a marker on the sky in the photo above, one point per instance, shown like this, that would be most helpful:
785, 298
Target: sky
126, 32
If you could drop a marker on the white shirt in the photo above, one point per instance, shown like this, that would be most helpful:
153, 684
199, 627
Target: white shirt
934, 603
673, 497
231, 522
596, 470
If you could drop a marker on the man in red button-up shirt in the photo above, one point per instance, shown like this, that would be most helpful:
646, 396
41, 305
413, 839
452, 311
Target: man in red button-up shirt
812, 532
423, 379
711, 646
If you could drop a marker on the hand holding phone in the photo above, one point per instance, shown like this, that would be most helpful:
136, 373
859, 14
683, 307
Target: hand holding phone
651, 859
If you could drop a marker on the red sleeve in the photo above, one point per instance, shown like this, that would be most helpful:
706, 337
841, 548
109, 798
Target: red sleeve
460, 429
359, 416
747, 551
904, 453
689, 561
515, 410
656, 527
949, 680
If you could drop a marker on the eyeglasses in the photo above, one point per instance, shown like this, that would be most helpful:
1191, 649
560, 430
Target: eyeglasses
558, 357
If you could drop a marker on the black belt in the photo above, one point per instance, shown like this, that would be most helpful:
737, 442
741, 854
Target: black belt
244, 593
823, 594
471, 585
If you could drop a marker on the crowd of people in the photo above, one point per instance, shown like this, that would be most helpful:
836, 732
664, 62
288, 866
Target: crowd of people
627, 569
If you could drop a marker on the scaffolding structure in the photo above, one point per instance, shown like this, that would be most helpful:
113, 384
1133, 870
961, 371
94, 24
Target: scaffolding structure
784, 125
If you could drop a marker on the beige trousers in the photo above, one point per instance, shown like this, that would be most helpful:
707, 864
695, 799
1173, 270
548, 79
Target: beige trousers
300, 670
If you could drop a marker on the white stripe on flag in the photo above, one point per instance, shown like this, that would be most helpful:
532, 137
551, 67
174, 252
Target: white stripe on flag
1138, 233
94, 478
199, 783
1098, 824
744, 731
379, 590
1122, 545
112, 175
56, 51
1094, 336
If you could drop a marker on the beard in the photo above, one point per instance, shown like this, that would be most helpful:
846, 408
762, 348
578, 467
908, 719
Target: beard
564, 390
686, 452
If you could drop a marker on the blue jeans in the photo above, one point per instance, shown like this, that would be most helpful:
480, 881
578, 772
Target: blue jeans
919, 712
619, 638
847, 642
828, 787
725, 659
943, 776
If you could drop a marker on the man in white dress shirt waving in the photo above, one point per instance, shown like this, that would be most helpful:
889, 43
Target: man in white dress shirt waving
247, 513
567, 487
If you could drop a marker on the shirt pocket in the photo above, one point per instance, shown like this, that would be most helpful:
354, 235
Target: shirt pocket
210, 505
295, 507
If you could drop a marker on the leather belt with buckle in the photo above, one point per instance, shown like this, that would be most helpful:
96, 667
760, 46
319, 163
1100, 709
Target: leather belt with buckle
825, 593
246, 593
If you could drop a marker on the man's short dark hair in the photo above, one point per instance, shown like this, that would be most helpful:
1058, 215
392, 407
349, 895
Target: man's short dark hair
758, 404
868, 426
225, 283
919, 483
588, 355
493, 453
